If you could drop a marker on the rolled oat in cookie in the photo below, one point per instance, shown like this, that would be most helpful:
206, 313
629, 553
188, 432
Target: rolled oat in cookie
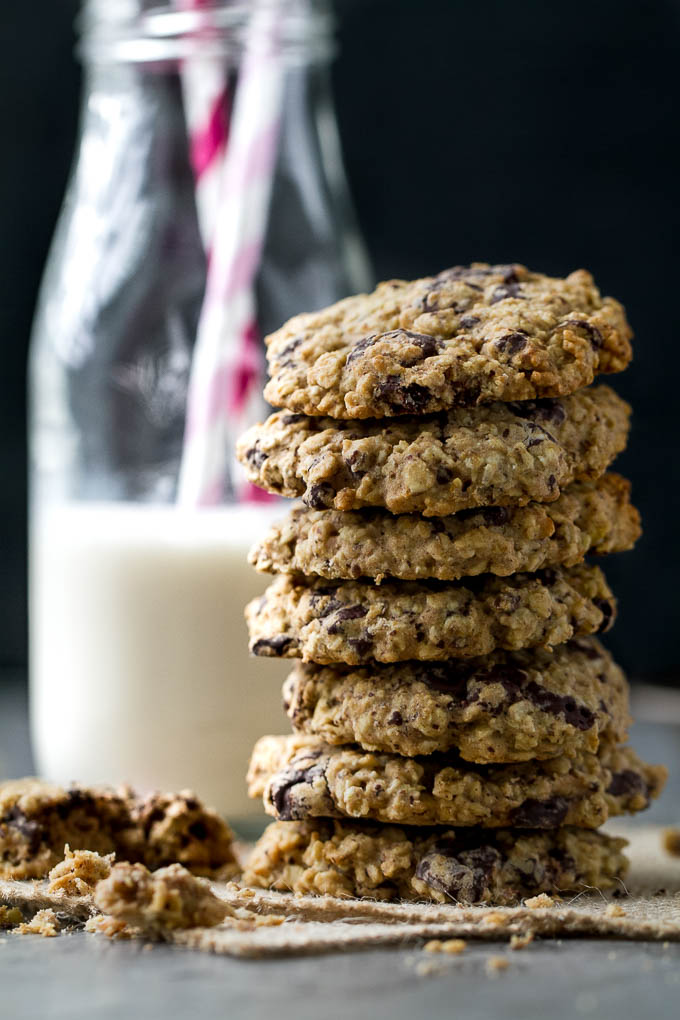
504, 707
356, 622
302, 778
589, 517
387, 862
495, 455
470, 335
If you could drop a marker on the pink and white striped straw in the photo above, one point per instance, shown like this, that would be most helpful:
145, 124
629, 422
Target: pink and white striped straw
207, 107
227, 366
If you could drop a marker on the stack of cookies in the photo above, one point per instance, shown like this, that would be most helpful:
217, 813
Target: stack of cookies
459, 730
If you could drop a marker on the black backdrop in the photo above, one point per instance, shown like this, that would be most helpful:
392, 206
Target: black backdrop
533, 132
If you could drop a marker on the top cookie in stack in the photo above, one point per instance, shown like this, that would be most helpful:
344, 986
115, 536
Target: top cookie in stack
433, 583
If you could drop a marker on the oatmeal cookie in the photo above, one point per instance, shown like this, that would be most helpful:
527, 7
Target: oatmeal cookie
496, 455
471, 335
38, 819
302, 778
387, 862
354, 621
505, 707
589, 517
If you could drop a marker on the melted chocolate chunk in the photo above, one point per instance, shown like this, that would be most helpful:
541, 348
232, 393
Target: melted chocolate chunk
361, 646
291, 419
30, 829
511, 343
319, 497
411, 399
444, 475
607, 610
256, 457
281, 793
396, 719
627, 783
495, 516
273, 646
462, 876
468, 321
510, 290
361, 346
547, 409
540, 814
346, 613
594, 335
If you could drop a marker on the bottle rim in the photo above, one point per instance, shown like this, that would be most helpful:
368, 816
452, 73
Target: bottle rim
131, 32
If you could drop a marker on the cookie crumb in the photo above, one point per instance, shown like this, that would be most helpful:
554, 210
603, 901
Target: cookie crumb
521, 940
542, 900
112, 927
452, 946
671, 841
44, 923
496, 964
493, 919
79, 872
10, 917
615, 910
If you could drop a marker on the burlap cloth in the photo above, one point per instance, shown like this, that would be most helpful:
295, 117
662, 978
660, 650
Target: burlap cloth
647, 907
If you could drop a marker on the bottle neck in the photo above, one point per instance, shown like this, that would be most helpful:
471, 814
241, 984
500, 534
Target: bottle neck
144, 31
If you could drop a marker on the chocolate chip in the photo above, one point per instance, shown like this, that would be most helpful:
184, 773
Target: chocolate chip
509, 290
538, 435
256, 457
607, 610
278, 645
283, 358
361, 346
575, 714
540, 814
511, 343
495, 516
347, 613
464, 876
319, 497
594, 335
396, 719
444, 475
627, 783
291, 419
409, 399
281, 793
429, 345
468, 321
361, 646
547, 409
354, 463
30, 829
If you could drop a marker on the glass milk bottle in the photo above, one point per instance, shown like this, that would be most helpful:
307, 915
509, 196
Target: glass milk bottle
139, 668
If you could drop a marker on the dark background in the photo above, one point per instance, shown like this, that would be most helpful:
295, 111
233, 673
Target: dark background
533, 132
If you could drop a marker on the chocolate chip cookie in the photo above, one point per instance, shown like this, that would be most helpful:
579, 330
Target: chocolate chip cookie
495, 455
37, 819
354, 621
505, 707
386, 862
595, 517
471, 335
301, 777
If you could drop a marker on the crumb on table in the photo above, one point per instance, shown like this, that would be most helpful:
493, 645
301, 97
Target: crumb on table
521, 940
10, 916
452, 946
496, 964
671, 841
44, 923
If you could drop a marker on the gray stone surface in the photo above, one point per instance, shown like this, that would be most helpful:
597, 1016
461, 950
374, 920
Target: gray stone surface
79, 976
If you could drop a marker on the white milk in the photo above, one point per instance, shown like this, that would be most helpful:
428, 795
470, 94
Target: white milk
139, 660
